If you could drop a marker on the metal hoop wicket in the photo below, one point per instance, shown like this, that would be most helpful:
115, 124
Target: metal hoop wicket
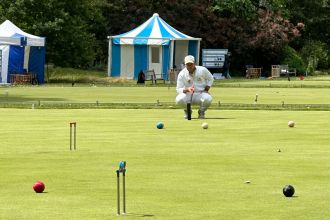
122, 169
73, 126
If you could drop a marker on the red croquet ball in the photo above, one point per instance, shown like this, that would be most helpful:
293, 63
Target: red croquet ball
39, 187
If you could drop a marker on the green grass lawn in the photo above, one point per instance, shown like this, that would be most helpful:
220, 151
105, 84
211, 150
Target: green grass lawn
163, 94
180, 172
295, 82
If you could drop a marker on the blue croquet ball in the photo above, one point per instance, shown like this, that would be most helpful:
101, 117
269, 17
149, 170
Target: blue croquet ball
160, 125
288, 191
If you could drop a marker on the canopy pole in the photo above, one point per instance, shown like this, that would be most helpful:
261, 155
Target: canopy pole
198, 49
172, 54
109, 56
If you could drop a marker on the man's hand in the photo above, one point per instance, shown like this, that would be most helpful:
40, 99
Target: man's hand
191, 89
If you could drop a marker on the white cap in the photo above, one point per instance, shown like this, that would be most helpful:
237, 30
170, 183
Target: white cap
189, 59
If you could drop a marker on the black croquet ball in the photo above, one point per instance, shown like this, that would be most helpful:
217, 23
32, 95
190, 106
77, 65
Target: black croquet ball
288, 191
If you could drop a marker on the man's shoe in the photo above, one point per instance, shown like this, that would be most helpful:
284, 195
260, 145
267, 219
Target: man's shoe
201, 114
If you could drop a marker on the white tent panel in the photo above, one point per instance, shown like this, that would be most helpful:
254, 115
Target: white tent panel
181, 50
155, 32
36, 42
155, 58
26, 58
126, 41
127, 68
10, 41
4, 64
9, 30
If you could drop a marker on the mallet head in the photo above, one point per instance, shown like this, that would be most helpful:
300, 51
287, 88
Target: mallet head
122, 166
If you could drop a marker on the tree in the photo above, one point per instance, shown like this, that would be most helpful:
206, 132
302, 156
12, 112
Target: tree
66, 25
314, 14
256, 31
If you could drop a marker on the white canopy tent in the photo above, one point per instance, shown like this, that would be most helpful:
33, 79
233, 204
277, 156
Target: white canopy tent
19, 52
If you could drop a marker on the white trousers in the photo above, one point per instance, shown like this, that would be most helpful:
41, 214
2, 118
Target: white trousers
203, 99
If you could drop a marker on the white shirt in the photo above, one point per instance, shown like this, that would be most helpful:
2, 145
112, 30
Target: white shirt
199, 79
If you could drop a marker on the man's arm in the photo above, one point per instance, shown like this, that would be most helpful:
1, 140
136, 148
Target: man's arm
180, 83
209, 79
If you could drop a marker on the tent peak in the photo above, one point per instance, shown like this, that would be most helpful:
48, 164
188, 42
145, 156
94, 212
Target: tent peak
155, 31
14, 35
8, 21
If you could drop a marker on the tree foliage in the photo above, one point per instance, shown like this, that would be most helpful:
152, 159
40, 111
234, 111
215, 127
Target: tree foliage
256, 31
315, 54
314, 14
65, 24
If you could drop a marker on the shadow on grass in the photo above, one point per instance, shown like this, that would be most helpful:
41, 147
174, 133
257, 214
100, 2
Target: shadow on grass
25, 99
294, 196
140, 215
43, 152
211, 118
219, 118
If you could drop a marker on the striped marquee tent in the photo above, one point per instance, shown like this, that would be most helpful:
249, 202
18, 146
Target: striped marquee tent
20, 52
153, 45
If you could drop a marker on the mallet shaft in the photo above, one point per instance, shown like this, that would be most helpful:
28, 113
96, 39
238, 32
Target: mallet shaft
118, 194
124, 193
70, 137
189, 111
75, 134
